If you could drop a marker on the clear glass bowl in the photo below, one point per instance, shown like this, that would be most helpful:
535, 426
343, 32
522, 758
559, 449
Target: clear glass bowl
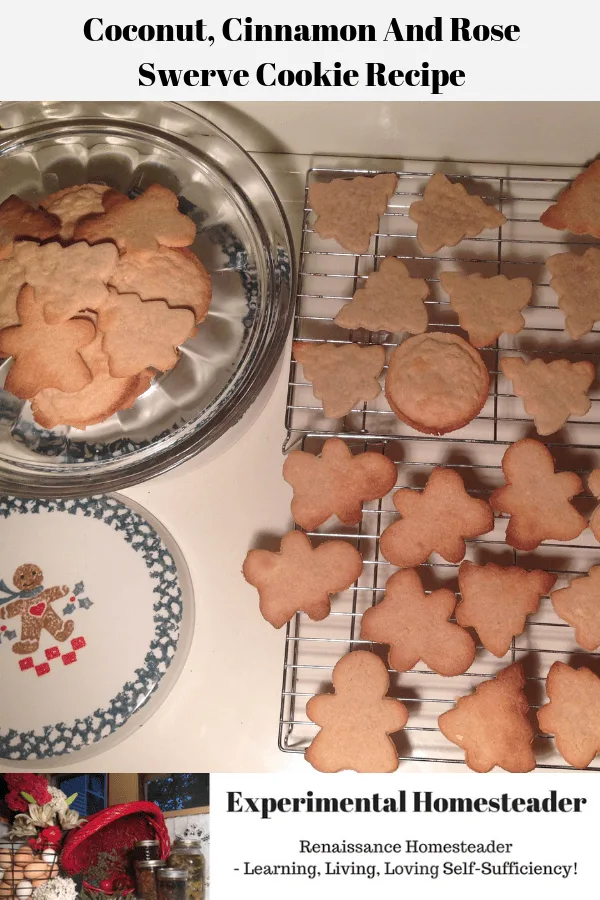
243, 239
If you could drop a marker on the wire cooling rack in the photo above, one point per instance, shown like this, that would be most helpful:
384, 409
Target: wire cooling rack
328, 278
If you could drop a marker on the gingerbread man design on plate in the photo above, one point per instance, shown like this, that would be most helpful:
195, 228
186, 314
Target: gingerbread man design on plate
32, 602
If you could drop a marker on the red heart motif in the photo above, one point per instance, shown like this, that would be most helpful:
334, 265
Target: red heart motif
38, 609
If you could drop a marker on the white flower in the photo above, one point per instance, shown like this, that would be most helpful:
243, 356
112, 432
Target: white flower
56, 889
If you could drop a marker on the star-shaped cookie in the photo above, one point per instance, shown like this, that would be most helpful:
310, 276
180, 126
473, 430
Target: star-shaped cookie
341, 376
348, 209
536, 498
578, 206
447, 214
300, 578
551, 392
391, 301
576, 280
573, 713
416, 626
435, 520
487, 307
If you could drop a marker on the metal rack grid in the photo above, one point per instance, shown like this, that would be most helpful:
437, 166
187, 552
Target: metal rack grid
328, 278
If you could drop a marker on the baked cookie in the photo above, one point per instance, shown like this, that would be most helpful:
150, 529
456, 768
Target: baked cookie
594, 486
44, 355
579, 605
19, 219
94, 403
578, 206
496, 601
535, 498
391, 301
435, 520
487, 307
447, 214
150, 221
176, 276
12, 279
492, 725
357, 719
348, 209
551, 392
140, 334
436, 382
299, 578
416, 626
67, 280
341, 376
573, 713
337, 483
71, 204
576, 280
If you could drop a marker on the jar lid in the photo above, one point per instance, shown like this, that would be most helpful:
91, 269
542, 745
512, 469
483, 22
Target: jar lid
168, 874
150, 863
148, 843
187, 843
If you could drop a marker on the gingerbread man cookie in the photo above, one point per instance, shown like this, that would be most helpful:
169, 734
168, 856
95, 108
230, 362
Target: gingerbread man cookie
578, 206
435, 520
336, 483
573, 713
594, 486
390, 301
300, 578
357, 719
492, 725
348, 209
536, 498
71, 204
341, 376
416, 626
579, 605
33, 604
496, 601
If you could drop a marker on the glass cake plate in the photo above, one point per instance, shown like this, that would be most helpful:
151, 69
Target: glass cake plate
243, 240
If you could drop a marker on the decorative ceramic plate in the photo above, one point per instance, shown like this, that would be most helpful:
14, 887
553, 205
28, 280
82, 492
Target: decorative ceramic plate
96, 621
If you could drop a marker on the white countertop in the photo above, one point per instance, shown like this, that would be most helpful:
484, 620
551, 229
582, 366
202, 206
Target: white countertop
223, 713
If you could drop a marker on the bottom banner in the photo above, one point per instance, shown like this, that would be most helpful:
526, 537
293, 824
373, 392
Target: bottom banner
372, 836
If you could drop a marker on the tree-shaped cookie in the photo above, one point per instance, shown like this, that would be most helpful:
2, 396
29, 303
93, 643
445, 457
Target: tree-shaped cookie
67, 280
551, 392
594, 486
44, 355
341, 376
140, 334
348, 209
176, 276
435, 520
576, 280
447, 214
18, 219
416, 626
492, 725
357, 719
336, 483
390, 301
579, 605
487, 307
12, 279
578, 206
300, 578
496, 601
98, 400
535, 498
149, 221
573, 713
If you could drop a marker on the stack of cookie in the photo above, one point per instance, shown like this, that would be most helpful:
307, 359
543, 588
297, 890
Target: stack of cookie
97, 293
437, 382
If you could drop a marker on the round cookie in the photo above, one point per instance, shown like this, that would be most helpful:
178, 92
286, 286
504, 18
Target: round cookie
436, 382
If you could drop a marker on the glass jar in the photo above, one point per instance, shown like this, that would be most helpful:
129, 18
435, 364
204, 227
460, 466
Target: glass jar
186, 853
144, 850
145, 878
172, 884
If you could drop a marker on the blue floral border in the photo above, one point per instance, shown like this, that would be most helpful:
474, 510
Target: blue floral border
62, 738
